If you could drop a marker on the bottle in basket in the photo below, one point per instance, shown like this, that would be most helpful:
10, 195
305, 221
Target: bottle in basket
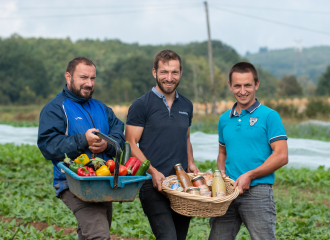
218, 185
182, 176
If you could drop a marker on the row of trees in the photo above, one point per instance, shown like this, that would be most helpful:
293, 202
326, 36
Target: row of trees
291, 86
32, 69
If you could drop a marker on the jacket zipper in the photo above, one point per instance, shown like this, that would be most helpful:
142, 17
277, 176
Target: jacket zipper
93, 124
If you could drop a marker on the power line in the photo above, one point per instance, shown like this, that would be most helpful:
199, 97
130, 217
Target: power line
95, 14
94, 7
273, 21
273, 9
167, 4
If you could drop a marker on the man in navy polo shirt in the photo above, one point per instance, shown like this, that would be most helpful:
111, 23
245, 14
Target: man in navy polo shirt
252, 146
160, 122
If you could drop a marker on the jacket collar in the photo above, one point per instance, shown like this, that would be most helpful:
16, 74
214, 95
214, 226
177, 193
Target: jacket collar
72, 96
253, 107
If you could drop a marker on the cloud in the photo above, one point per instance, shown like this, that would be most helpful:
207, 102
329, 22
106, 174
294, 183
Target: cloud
159, 22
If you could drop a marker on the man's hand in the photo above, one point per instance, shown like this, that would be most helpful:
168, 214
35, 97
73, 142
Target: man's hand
243, 182
193, 169
157, 179
91, 137
98, 147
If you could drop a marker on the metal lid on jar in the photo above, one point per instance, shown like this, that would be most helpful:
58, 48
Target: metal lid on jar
199, 177
192, 189
217, 173
178, 166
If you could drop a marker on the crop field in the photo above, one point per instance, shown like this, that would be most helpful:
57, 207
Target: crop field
27, 200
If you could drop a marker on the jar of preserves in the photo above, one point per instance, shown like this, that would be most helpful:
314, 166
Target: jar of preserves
182, 176
218, 185
208, 176
199, 181
193, 190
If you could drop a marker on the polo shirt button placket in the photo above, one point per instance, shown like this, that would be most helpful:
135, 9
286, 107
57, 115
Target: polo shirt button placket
238, 126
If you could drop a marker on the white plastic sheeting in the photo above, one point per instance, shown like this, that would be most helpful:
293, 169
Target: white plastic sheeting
18, 135
302, 152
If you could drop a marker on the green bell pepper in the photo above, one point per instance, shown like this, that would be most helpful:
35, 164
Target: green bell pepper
74, 166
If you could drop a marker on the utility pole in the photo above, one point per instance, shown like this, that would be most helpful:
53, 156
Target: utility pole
210, 57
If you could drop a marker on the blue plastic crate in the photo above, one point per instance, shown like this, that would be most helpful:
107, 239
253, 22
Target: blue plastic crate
100, 189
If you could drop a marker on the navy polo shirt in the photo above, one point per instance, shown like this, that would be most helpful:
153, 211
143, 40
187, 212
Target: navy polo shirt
164, 138
247, 138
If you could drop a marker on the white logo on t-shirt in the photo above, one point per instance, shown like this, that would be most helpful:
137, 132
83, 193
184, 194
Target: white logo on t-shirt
253, 120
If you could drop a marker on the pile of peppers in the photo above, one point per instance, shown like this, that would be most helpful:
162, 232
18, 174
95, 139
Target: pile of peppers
83, 166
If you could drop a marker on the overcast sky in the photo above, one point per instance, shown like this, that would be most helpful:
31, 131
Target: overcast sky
244, 25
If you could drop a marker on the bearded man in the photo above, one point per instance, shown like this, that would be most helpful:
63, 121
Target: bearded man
159, 122
66, 125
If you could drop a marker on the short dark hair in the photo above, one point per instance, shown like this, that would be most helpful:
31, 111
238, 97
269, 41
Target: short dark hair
244, 67
165, 56
73, 64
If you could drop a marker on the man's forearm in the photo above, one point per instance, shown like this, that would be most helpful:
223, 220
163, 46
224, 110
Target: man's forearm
136, 152
222, 156
221, 162
190, 153
272, 163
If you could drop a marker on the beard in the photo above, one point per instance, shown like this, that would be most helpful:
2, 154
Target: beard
167, 91
77, 91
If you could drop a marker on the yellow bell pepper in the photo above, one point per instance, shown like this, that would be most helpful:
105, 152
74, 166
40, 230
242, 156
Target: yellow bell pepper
83, 158
103, 171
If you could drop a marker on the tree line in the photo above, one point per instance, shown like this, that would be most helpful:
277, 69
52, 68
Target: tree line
32, 69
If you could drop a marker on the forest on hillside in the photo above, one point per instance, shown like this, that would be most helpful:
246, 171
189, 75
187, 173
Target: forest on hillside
32, 69
307, 64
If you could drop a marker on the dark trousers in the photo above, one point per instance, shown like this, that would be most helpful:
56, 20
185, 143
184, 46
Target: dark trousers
94, 219
165, 223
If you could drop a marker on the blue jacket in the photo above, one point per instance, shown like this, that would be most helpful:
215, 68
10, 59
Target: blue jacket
62, 127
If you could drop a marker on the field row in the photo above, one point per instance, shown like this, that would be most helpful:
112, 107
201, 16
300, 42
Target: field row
26, 193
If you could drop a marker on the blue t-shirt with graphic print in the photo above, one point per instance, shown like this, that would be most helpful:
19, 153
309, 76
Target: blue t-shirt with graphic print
247, 138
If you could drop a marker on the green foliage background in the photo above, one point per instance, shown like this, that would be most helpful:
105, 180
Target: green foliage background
311, 62
32, 69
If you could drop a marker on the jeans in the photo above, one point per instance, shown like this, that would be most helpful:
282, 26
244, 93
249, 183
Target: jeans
94, 219
255, 208
165, 223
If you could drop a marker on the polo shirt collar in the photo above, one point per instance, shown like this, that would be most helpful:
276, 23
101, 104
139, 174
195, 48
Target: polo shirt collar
251, 109
160, 95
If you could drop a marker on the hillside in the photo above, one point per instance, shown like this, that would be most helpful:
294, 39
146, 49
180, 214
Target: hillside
32, 69
311, 62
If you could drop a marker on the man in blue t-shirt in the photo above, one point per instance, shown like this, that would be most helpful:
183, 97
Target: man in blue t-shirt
159, 122
252, 146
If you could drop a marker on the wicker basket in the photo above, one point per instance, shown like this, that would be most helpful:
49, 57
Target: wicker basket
200, 206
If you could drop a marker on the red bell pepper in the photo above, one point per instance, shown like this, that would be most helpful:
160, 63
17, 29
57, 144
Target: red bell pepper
85, 172
130, 162
136, 166
133, 165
